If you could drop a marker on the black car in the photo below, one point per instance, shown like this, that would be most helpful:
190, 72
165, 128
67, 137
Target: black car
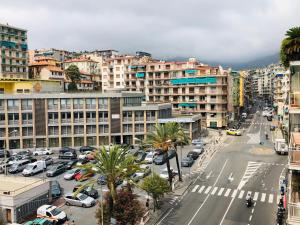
158, 152
55, 170
66, 149
55, 189
68, 155
194, 155
86, 148
140, 156
159, 160
2, 153
69, 165
187, 162
89, 191
171, 153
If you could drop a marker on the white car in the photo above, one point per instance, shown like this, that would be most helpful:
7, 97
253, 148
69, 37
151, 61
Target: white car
199, 149
149, 158
45, 151
164, 173
79, 200
52, 212
84, 155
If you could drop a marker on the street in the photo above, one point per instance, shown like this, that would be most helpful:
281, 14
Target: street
242, 165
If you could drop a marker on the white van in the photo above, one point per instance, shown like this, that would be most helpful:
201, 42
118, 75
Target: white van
51, 212
34, 168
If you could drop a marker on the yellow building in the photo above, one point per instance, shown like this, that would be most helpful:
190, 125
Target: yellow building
242, 88
29, 86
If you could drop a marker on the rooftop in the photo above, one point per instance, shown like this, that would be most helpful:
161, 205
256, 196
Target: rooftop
14, 185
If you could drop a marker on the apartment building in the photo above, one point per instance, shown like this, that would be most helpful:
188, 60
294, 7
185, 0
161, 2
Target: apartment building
76, 119
280, 92
293, 196
14, 57
57, 54
234, 93
191, 88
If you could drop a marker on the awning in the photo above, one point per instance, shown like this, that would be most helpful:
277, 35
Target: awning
140, 75
191, 105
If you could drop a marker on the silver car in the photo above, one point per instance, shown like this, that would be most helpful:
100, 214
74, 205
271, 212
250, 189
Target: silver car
79, 200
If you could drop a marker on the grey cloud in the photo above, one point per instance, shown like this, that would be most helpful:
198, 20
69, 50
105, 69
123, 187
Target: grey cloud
231, 30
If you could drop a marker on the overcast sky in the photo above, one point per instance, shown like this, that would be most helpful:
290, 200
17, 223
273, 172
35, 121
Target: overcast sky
219, 30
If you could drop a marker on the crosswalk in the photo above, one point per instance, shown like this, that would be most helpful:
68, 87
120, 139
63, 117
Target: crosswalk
251, 169
236, 193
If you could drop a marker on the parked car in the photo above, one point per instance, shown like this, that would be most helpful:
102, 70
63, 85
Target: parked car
140, 156
68, 155
52, 212
164, 173
34, 168
194, 155
171, 153
197, 141
23, 153
198, 149
137, 176
66, 149
55, 189
88, 190
39, 221
149, 158
48, 160
81, 162
55, 170
79, 200
244, 115
160, 159
18, 166
69, 165
86, 148
101, 180
45, 151
187, 162
7, 153
70, 174
158, 152
83, 175
84, 155
233, 132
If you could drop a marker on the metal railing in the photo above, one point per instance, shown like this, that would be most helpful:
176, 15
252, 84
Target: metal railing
294, 213
295, 99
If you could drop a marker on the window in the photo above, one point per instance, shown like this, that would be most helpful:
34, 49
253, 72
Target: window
118, 83
132, 101
103, 103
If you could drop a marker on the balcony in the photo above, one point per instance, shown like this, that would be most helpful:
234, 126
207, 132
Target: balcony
27, 122
52, 107
127, 119
12, 108
65, 107
294, 159
91, 120
25, 107
293, 213
294, 100
78, 120
88, 106
53, 121
13, 122
103, 120
78, 106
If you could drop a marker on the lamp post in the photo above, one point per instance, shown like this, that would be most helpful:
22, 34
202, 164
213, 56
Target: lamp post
5, 152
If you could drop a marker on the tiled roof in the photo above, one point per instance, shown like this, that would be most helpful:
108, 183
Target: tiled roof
54, 68
82, 59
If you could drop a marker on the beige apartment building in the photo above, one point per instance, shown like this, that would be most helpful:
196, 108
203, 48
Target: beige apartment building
13, 55
77, 119
191, 88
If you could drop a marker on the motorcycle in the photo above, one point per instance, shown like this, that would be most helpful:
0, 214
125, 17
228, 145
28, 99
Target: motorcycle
267, 136
248, 203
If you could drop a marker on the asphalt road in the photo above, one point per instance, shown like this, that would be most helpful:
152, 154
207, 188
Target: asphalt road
241, 165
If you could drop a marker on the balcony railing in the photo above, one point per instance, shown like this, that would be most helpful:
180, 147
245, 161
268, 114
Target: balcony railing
53, 133
295, 99
88, 106
294, 158
52, 106
78, 106
65, 106
127, 119
91, 120
78, 120
27, 134
26, 107
52, 121
27, 122
103, 120
66, 121
293, 213
13, 122
13, 108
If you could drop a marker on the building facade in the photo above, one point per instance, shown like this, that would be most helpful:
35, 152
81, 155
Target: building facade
191, 88
64, 119
14, 57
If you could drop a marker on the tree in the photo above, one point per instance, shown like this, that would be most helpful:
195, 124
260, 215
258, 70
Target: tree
73, 74
160, 139
115, 164
290, 46
156, 187
177, 137
127, 210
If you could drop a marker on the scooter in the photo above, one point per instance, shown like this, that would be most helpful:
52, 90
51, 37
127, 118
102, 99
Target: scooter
248, 203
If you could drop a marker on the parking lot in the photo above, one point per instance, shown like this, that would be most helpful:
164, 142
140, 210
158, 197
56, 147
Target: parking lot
87, 215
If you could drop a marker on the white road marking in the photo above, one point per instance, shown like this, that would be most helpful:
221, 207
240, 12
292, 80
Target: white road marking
209, 175
165, 216
271, 196
263, 197
249, 193
192, 219
201, 189
255, 196
195, 188
227, 192
241, 194
250, 218
220, 191
233, 193
214, 190
207, 190
278, 198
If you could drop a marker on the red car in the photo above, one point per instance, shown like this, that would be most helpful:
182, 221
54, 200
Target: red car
83, 175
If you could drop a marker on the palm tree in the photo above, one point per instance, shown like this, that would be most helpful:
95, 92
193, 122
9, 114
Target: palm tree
290, 46
115, 164
177, 137
160, 139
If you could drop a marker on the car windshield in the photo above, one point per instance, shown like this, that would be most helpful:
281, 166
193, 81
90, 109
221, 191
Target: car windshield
82, 197
55, 211
29, 167
72, 171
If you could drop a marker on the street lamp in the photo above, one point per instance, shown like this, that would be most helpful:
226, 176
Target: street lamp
5, 152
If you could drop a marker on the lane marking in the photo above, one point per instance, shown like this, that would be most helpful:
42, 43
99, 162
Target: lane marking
255, 196
250, 218
271, 196
195, 188
227, 192
278, 198
220, 191
214, 190
207, 190
201, 189
241, 194
263, 197
165, 216
234, 193
192, 219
